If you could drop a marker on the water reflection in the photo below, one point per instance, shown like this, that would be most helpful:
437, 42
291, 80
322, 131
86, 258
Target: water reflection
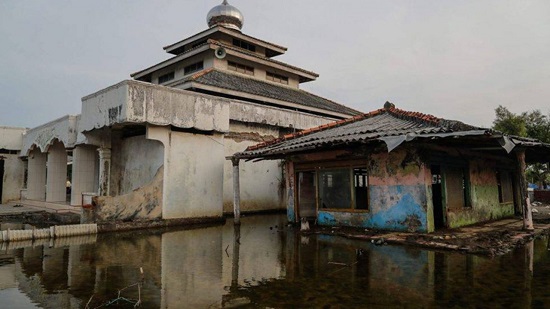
263, 264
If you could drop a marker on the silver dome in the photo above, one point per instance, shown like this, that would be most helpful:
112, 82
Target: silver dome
225, 15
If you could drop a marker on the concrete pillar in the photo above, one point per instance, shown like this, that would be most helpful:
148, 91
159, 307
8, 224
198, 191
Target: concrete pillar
36, 181
236, 192
526, 204
85, 176
56, 189
104, 171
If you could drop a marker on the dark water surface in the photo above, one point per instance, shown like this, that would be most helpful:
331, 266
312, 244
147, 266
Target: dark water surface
272, 267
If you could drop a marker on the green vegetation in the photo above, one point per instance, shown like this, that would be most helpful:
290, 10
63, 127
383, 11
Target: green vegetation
533, 124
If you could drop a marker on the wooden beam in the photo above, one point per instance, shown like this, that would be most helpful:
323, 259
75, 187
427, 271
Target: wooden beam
525, 203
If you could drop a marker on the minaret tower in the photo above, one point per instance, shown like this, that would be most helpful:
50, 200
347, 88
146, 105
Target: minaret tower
225, 62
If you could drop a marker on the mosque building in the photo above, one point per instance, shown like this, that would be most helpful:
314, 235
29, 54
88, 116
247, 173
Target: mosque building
155, 147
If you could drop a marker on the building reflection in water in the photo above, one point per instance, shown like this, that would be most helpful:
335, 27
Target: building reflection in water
264, 263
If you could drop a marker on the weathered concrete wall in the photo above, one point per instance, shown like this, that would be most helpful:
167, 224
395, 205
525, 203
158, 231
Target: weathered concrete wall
14, 174
135, 161
144, 203
397, 195
262, 183
484, 197
255, 113
193, 173
138, 102
11, 138
63, 129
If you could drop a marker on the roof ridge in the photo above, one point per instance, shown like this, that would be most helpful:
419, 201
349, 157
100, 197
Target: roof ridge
410, 115
391, 110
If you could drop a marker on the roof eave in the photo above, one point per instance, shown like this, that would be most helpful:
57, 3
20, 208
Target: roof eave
274, 48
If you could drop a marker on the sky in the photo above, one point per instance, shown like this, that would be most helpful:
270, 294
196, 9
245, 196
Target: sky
455, 59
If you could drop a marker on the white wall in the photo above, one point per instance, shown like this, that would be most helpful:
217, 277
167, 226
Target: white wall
14, 173
11, 138
260, 182
85, 172
193, 173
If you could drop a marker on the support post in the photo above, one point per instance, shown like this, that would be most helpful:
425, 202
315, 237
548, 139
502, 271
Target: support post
525, 203
104, 171
236, 191
235, 260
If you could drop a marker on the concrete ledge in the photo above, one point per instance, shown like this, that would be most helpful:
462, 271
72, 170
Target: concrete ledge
136, 225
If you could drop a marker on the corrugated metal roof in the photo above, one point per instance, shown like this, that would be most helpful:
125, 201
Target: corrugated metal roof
382, 124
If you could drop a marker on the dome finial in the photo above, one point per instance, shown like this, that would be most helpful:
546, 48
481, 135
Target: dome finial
225, 15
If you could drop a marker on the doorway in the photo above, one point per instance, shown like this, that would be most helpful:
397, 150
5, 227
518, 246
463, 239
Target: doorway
306, 194
437, 197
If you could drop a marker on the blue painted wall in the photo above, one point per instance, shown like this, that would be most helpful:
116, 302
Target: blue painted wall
398, 207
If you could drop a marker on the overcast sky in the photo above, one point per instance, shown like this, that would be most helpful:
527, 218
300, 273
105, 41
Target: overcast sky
453, 59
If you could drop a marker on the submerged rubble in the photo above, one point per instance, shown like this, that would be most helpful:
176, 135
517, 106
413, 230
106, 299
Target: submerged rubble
490, 238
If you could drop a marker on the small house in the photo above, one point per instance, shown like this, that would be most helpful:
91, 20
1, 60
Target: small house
399, 170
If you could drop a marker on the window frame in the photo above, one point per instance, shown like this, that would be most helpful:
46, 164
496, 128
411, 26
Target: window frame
164, 78
277, 78
193, 67
240, 68
349, 166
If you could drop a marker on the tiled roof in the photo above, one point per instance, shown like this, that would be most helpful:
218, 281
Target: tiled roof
241, 83
383, 123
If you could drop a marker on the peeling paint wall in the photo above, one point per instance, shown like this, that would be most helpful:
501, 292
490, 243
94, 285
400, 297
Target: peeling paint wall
139, 102
144, 203
262, 183
397, 195
135, 161
484, 196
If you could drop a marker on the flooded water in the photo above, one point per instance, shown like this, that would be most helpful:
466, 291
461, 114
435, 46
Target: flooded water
270, 267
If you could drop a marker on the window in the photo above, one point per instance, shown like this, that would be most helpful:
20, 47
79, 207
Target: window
505, 188
166, 77
193, 68
343, 188
244, 45
277, 78
241, 68
457, 187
